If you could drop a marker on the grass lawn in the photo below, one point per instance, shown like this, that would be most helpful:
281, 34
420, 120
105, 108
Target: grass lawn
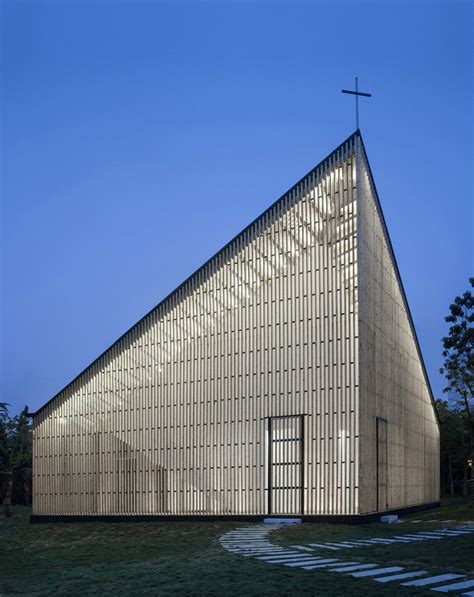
185, 558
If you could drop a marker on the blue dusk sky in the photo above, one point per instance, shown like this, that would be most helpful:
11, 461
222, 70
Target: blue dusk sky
139, 137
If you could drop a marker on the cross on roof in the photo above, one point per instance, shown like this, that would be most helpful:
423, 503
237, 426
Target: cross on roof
357, 93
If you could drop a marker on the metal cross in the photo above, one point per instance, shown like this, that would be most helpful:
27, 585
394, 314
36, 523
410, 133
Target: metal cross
357, 93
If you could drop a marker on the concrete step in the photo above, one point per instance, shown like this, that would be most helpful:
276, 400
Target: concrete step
282, 521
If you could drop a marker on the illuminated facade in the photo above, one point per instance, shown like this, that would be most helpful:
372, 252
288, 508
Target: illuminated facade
283, 377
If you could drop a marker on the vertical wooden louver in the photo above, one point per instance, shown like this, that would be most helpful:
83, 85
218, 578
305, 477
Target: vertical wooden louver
181, 416
393, 384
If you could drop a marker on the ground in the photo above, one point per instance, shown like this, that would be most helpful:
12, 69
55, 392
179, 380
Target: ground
185, 558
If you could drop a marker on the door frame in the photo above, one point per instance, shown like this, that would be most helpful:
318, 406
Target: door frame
378, 420
270, 460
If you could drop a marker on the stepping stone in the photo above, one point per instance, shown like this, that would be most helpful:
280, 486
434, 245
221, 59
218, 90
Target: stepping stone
285, 559
253, 554
282, 552
245, 541
250, 545
247, 546
402, 539
341, 564
257, 552
331, 564
378, 542
367, 542
321, 564
244, 547
432, 580
432, 533
259, 546
353, 568
458, 586
282, 521
249, 539
377, 572
384, 540
302, 547
235, 537
304, 562
470, 594
324, 546
247, 533
265, 547
282, 557
400, 576
262, 551
241, 536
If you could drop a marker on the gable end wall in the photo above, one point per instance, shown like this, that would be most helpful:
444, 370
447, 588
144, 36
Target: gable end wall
393, 383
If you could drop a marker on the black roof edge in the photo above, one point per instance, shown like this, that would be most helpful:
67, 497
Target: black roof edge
402, 288
200, 268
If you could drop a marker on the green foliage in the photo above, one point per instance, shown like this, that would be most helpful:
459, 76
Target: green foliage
455, 446
457, 420
15, 457
458, 350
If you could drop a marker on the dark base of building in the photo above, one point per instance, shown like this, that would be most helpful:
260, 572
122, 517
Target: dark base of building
334, 518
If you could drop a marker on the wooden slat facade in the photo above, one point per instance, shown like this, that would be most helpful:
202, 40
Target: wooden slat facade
240, 392
393, 383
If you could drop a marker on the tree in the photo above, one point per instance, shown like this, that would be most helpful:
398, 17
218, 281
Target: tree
458, 367
458, 353
15, 453
454, 440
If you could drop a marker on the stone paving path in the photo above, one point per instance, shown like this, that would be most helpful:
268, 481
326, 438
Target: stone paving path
437, 534
253, 542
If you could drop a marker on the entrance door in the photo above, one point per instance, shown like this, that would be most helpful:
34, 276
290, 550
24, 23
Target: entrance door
285, 482
381, 465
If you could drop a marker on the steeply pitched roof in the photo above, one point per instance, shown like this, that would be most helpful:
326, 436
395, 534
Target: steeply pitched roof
349, 143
